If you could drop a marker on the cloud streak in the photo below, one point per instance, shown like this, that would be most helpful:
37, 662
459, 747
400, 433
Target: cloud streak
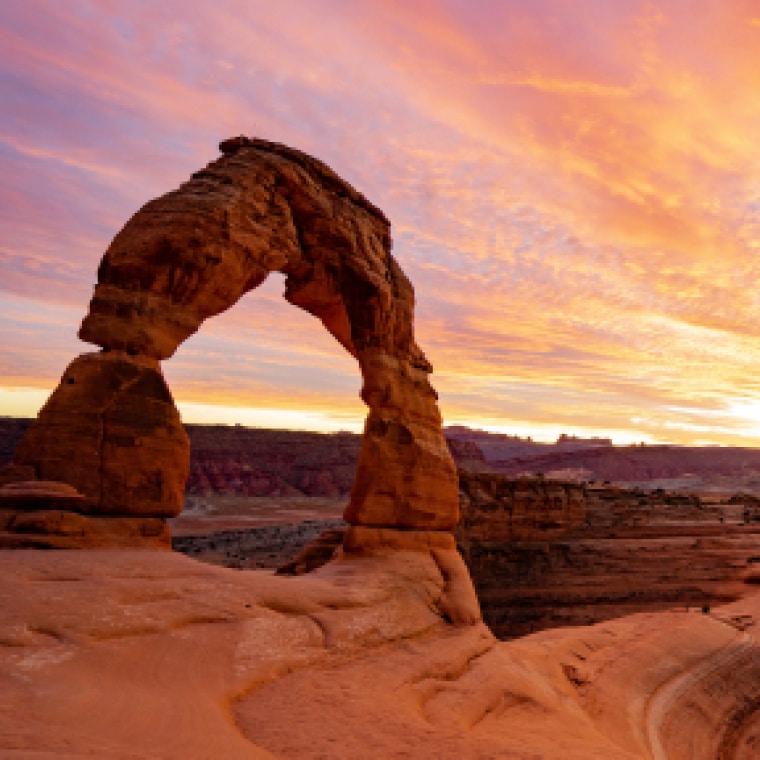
573, 191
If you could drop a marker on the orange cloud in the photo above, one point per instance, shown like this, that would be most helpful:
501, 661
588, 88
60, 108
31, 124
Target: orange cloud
574, 194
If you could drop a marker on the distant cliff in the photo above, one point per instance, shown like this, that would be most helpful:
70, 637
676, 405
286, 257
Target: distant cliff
546, 554
253, 462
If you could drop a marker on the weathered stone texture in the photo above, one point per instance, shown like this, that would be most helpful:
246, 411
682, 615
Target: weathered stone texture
64, 529
546, 554
111, 429
496, 508
263, 207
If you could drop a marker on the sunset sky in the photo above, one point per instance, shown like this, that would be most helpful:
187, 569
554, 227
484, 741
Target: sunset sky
574, 189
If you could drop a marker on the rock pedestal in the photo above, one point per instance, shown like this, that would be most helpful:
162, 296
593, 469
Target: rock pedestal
111, 430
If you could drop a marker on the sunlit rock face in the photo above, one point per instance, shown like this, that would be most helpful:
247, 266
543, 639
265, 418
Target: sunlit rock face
111, 429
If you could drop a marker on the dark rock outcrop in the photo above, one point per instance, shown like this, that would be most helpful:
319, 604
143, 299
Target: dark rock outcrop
546, 554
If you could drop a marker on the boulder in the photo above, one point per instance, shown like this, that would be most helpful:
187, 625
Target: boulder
111, 431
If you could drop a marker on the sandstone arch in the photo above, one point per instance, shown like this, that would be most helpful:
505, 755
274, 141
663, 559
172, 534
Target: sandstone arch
111, 429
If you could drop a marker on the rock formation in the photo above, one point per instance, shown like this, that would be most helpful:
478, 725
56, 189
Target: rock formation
249, 462
499, 509
545, 554
111, 429
150, 654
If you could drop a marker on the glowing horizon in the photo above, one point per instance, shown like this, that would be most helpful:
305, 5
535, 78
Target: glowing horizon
573, 191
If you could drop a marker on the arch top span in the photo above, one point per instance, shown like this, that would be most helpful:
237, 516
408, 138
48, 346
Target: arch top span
261, 207
194, 252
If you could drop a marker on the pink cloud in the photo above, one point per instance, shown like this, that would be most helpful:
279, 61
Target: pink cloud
574, 194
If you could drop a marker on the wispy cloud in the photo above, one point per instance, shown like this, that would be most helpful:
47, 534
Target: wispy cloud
574, 194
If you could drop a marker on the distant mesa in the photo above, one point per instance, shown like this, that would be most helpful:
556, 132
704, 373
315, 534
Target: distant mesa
111, 429
574, 443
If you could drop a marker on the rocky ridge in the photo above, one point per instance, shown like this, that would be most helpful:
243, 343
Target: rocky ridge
255, 462
545, 554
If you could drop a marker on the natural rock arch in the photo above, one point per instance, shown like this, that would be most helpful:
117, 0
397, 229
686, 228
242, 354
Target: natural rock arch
111, 429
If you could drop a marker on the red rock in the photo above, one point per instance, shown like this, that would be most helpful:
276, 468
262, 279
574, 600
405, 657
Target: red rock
315, 554
264, 207
362, 539
351, 661
39, 494
14, 473
112, 431
63, 529
546, 554
497, 508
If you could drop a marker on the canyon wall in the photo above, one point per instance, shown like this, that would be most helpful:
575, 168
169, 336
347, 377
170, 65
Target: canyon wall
546, 554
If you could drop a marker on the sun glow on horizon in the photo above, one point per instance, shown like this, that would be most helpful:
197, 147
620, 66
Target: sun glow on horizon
573, 195
281, 419
737, 426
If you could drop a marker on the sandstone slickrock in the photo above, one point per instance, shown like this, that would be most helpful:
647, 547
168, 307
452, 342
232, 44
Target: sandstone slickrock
149, 654
192, 254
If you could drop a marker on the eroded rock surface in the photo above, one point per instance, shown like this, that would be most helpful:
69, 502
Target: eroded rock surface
498, 509
545, 554
64, 529
192, 254
150, 654
112, 431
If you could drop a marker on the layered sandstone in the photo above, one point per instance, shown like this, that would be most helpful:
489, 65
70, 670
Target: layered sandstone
49, 528
39, 514
545, 554
150, 654
111, 429
499, 509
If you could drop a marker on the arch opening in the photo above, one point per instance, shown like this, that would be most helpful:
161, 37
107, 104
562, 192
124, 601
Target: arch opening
265, 364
